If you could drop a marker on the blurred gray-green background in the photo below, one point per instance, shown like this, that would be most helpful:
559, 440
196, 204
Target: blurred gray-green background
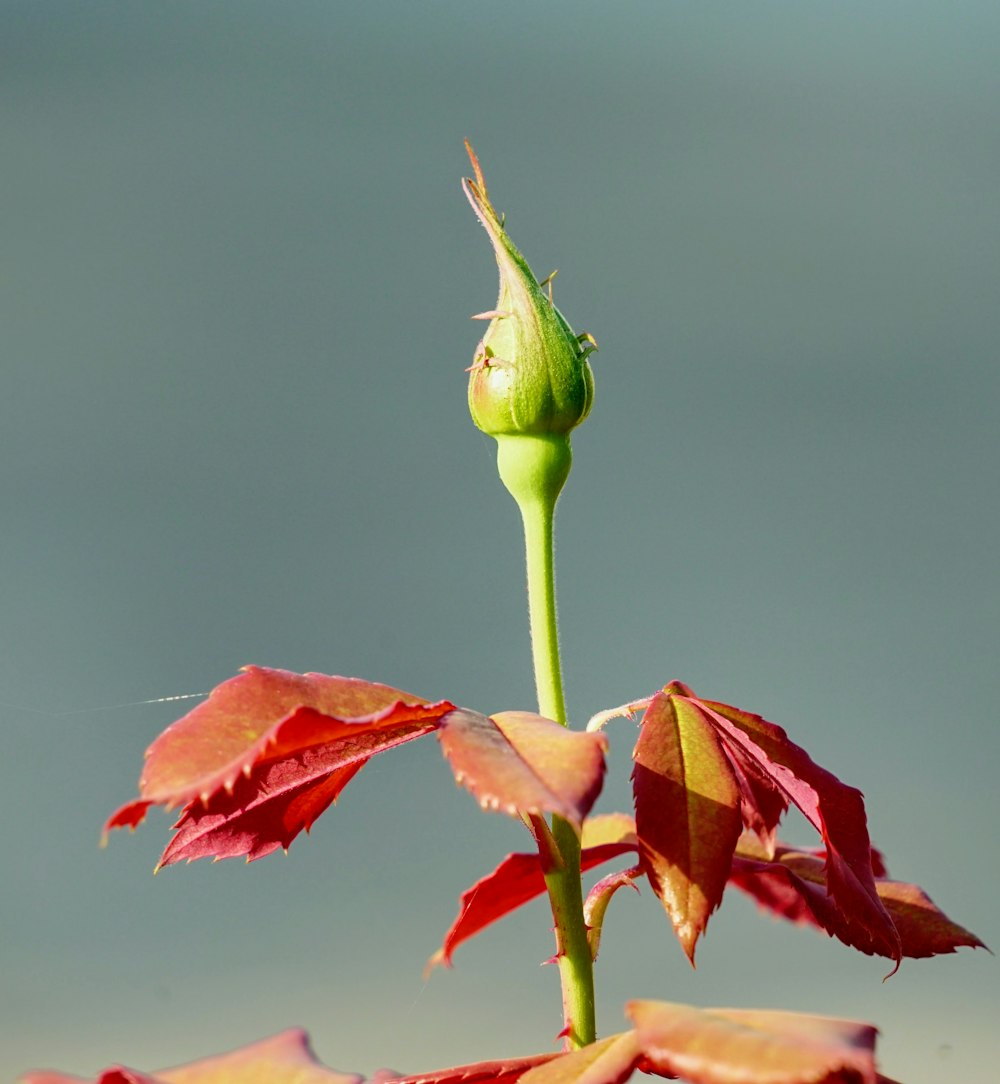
237, 275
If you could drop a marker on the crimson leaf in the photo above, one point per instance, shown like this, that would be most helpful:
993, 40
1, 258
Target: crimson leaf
834, 809
269, 751
792, 885
684, 786
687, 812
518, 879
265, 755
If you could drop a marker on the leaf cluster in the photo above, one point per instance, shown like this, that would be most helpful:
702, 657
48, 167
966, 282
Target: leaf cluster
269, 751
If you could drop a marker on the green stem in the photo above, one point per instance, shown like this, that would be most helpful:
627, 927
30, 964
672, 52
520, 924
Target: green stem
538, 517
534, 470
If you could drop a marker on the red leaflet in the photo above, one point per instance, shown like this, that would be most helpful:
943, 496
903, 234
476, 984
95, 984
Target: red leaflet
793, 886
835, 810
703, 769
266, 754
282, 1059
518, 762
506, 1072
687, 812
269, 751
519, 879
733, 1046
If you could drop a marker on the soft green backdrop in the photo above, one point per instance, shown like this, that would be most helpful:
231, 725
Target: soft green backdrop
237, 274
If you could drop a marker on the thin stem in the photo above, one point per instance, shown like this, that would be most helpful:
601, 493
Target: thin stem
576, 968
538, 517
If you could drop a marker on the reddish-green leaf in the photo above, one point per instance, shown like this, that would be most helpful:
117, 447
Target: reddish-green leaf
266, 754
519, 879
792, 885
518, 763
687, 812
282, 1059
835, 810
596, 904
505, 1072
737, 1046
608, 1061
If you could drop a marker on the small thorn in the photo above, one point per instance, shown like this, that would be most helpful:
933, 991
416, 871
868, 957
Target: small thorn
547, 281
489, 314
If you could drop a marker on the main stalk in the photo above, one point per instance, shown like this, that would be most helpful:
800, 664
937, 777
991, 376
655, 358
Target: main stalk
534, 470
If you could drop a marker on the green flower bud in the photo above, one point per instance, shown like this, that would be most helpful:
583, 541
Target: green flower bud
530, 375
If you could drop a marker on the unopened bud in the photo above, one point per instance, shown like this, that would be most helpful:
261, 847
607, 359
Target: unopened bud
530, 375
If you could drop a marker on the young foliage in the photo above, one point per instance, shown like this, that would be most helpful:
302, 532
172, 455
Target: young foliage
704, 770
269, 751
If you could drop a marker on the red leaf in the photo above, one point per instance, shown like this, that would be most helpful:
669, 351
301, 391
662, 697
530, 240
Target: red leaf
266, 754
506, 1072
835, 810
761, 805
282, 1059
687, 812
793, 886
608, 1061
737, 1046
520, 763
519, 879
